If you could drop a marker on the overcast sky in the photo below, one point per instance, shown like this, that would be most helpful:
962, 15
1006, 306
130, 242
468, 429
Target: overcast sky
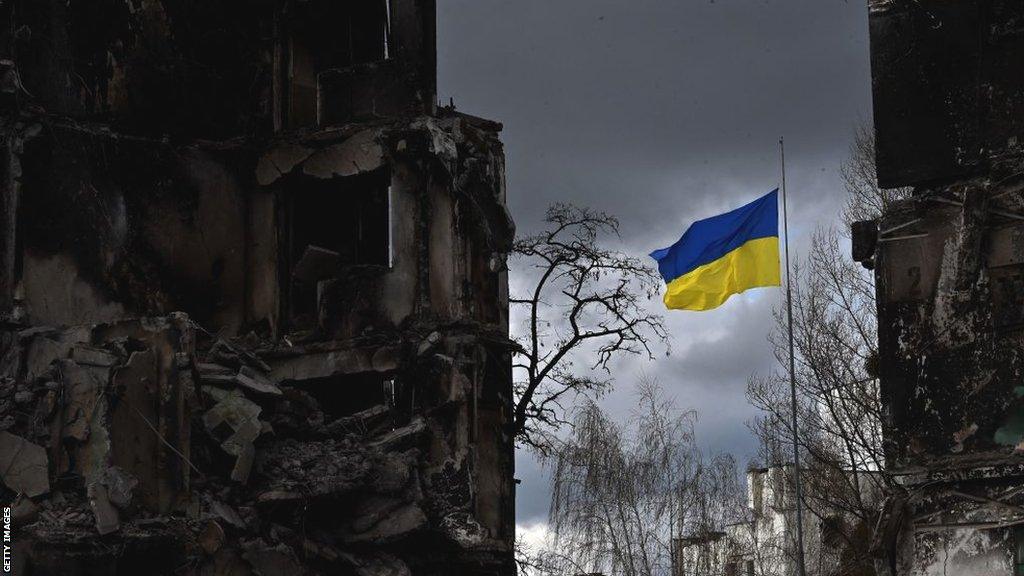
661, 113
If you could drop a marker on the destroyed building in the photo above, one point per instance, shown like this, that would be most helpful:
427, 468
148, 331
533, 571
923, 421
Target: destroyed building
949, 270
253, 294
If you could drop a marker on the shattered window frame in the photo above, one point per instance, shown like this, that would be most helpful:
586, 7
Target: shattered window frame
304, 200
308, 33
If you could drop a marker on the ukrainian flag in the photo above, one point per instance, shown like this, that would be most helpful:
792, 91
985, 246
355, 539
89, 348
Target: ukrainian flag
722, 256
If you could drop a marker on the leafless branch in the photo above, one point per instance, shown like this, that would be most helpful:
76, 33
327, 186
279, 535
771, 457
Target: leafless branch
586, 300
839, 411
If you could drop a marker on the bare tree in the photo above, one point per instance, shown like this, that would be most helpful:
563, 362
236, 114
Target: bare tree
620, 494
714, 498
839, 413
839, 410
586, 299
865, 200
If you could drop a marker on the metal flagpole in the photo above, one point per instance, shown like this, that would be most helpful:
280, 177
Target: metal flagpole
792, 375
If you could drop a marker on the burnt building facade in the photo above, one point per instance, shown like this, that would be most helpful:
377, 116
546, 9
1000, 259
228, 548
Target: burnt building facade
253, 294
949, 270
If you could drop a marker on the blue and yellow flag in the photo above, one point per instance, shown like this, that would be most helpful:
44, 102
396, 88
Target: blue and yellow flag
723, 255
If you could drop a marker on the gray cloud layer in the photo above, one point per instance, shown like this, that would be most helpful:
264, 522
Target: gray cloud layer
663, 112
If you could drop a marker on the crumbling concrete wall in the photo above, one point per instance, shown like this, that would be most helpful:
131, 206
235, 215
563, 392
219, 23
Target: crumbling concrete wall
253, 302
951, 291
948, 269
950, 283
136, 228
441, 235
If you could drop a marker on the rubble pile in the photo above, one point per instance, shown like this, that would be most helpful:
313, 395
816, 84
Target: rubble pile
260, 481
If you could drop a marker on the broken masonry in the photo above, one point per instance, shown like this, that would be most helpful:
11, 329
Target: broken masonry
253, 302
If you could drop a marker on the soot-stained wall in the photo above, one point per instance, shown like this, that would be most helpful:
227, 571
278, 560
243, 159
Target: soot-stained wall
949, 272
253, 296
948, 92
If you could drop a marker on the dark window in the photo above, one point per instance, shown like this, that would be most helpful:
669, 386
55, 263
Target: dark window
345, 215
750, 568
731, 569
347, 394
302, 87
334, 223
327, 35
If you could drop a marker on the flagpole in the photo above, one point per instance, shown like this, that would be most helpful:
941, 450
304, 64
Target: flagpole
792, 375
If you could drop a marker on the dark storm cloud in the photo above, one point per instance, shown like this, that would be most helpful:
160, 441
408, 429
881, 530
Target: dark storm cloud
661, 112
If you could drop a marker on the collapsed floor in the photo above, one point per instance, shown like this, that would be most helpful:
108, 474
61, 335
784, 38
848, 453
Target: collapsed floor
277, 474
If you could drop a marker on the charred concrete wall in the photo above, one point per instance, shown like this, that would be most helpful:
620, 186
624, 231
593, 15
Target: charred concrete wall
252, 291
950, 283
948, 91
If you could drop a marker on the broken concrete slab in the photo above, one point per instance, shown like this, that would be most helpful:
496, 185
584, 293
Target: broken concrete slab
24, 466
243, 463
316, 264
46, 345
222, 380
238, 413
332, 362
401, 438
211, 369
219, 394
370, 525
312, 548
42, 352
256, 382
428, 343
360, 153
247, 378
360, 422
29, 333
235, 422
11, 357
227, 354
275, 496
227, 514
106, 516
280, 161
371, 511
